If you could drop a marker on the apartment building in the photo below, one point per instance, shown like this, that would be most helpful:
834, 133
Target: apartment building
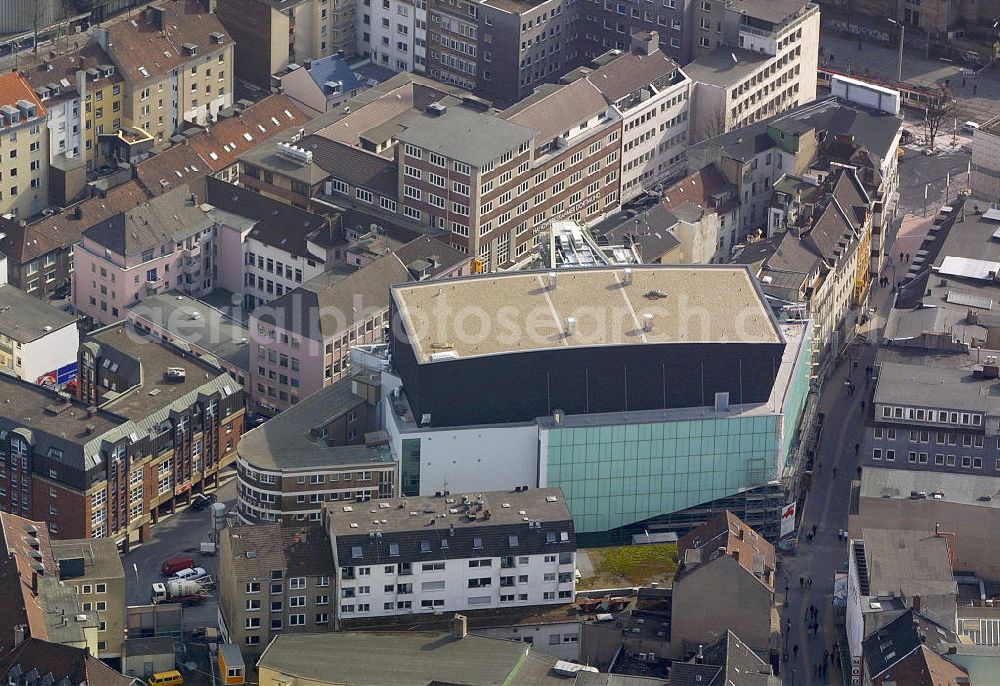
271, 34
82, 92
160, 245
177, 64
322, 84
94, 568
154, 426
267, 248
725, 580
274, 579
76, 577
393, 33
318, 451
451, 553
41, 255
33, 656
765, 65
24, 148
303, 338
38, 342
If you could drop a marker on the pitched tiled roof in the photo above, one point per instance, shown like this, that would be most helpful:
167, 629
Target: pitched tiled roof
555, 109
307, 550
629, 72
922, 667
697, 189
256, 549
25, 243
277, 223
353, 165
13, 87
61, 661
138, 44
726, 530
171, 168
151, 224
218, 146
62, 70
222, 142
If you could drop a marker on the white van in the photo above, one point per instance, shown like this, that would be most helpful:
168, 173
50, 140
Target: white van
970, 127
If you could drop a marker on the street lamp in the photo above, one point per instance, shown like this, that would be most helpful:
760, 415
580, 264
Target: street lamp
902, 34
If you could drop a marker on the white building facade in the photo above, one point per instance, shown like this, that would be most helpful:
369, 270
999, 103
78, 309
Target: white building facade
452, 553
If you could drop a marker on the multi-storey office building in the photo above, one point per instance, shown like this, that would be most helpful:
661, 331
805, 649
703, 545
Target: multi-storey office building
444, 162
450, 553
592, 394
316, 452
274, 579
177, 63
302, 339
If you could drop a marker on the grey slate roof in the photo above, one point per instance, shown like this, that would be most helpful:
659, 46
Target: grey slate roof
874, 130
353, 165
650, 230
464, 135
892, 642
441, 527
331, 302
192, 321
24, 318
275, 223
286, 441
162, 219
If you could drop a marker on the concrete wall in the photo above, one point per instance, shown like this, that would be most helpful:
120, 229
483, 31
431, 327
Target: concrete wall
473, 459
561, 640
47, 354
715, 596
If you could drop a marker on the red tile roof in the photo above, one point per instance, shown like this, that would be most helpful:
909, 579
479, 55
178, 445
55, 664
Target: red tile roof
63, 662
13, 87
24, 243
220, 145
138, 43
727, 531
697, 189
171, 168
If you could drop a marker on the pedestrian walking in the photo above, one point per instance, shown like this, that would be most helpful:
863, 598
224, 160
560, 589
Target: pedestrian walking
802, 581
814, 526
795, 650
857, 447
835, 471
863, 405
822, 670
963, 82
809, 581
975, 88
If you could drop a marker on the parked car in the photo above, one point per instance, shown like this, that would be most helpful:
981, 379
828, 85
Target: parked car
192, 574
175, 564
970, 127
202, 500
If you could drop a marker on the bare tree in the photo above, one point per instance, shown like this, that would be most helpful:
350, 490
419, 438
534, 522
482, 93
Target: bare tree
936, 116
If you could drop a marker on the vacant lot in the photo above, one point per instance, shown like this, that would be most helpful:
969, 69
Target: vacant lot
632, 565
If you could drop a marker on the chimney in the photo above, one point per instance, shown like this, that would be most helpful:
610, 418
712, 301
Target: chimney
645, 42
916, 603
460, 626
699, 659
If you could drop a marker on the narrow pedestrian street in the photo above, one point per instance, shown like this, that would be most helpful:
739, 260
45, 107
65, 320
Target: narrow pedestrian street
809, 573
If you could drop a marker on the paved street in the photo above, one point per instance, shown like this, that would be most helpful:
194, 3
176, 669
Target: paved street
177, 534
826, 508
917, 169
882, 62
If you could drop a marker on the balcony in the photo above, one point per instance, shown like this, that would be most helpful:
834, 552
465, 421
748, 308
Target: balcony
155, 286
